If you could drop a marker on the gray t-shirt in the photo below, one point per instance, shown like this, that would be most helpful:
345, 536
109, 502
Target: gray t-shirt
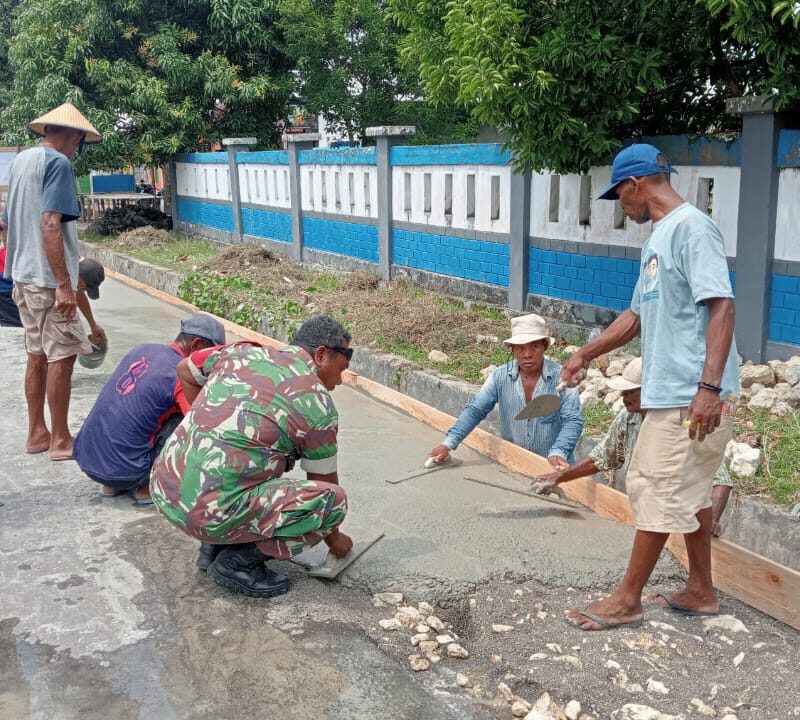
41, 181
683, 263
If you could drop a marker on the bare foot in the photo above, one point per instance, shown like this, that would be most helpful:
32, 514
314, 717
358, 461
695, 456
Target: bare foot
61, 450
38, 443
685, 602
609, 612
109, 491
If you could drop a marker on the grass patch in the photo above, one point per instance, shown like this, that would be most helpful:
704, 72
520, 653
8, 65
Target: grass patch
489, 312
179, 255
597, 419
403, 349
325, 281
450, 304
94, 238
779, 439
158, 247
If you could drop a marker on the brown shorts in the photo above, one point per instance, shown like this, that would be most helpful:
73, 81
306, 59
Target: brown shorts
47, 331
671, 476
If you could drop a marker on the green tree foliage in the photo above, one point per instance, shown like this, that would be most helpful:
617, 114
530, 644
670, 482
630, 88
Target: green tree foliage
154, 77
345, 52
7, 11
348, 69
566, 81
770, 32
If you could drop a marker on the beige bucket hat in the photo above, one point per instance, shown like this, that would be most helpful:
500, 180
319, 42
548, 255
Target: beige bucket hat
66, 115
630, 379
528, 328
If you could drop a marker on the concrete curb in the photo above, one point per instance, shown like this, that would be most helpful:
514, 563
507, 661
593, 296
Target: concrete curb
761, 528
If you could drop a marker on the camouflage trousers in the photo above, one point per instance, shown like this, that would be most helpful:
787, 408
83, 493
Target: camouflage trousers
282, 516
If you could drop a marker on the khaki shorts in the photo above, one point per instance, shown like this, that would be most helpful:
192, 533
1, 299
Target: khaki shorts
47, 331
671, 476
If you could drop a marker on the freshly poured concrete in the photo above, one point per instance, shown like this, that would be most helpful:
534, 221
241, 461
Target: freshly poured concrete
103, 614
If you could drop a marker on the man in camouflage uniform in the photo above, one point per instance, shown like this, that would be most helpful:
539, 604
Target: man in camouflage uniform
614, 451
218, 478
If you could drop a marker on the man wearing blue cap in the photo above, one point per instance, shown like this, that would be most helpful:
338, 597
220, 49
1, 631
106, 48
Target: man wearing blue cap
137, 410
683, 308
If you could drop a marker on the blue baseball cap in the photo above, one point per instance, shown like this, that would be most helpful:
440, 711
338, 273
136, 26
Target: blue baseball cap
636, 161
204, 326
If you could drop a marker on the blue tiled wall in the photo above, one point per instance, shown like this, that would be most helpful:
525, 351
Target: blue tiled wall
593, 280
264, 157
447, 255
213, 158
784, 313
342, 238
209, 214
113, 183
267, 224
337, 156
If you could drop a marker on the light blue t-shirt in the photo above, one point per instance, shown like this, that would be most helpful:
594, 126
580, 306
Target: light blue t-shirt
41, 181
683, 263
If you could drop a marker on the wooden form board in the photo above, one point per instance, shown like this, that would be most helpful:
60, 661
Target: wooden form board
765, 585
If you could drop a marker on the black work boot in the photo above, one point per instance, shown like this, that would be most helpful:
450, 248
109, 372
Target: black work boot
241, 569
208, 553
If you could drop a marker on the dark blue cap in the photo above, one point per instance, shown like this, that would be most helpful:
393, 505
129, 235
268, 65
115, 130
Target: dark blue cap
636, 161
204, 326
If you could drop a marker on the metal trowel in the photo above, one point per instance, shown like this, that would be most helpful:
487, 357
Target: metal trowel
323, 564
542, 405
430, 466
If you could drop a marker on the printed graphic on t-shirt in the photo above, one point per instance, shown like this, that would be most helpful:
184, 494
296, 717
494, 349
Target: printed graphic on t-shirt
127, 382
650, 279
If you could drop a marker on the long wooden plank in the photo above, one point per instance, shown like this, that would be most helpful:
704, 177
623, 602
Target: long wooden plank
758, 581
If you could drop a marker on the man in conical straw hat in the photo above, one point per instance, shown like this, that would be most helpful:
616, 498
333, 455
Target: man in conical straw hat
42, 260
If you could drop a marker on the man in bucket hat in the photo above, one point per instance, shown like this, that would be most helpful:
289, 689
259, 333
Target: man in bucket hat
42, 261
511, 387
683, 308
613, 453
137, 410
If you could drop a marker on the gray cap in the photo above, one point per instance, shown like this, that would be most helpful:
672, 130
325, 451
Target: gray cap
204, 326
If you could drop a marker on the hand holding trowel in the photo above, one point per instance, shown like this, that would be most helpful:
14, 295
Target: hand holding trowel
543, 405
439, 459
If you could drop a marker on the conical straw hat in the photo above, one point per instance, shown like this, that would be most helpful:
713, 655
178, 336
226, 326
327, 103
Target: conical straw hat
66, 115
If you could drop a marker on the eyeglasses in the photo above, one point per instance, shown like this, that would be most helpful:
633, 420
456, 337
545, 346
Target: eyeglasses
346, 351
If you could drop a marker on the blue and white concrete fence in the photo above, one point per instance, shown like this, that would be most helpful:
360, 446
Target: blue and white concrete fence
456, 217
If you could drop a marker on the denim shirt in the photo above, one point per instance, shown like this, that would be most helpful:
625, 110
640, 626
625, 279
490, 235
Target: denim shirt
555, 434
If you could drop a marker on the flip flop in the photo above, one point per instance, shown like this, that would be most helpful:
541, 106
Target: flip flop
679, 609
142, 502
603, 623
102, 494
